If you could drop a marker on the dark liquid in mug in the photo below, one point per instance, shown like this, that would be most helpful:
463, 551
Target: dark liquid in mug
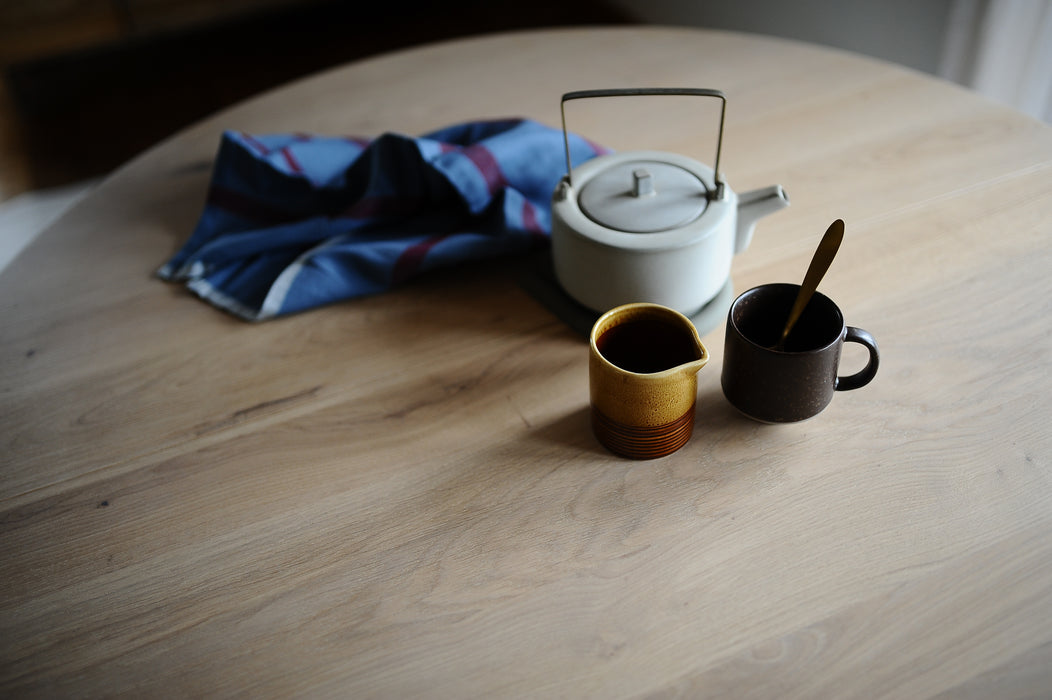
763, 320
647, 345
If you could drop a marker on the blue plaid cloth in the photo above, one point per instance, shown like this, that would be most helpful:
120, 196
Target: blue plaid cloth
294, 221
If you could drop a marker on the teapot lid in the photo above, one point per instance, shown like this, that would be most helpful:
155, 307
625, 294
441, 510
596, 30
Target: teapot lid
644, 196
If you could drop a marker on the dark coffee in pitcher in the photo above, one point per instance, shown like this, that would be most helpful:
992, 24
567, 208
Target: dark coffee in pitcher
646, 346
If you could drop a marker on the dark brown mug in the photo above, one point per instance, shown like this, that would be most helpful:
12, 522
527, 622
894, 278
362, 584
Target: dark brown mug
798, 381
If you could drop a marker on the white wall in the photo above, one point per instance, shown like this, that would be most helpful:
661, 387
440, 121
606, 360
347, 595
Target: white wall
909, 32
999, 48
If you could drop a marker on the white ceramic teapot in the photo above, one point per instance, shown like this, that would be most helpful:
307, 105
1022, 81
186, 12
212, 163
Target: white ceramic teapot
650, 226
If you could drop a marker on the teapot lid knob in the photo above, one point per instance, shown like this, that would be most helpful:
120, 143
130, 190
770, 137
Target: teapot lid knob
642, 183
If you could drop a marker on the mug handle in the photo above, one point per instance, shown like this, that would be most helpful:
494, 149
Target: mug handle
860, 379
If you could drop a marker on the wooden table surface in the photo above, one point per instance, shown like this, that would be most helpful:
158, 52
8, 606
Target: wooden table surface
401, 496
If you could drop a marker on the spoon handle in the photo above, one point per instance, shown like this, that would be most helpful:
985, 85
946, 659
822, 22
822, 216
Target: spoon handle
821, 261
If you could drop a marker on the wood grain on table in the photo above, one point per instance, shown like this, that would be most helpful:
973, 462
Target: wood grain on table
400, 496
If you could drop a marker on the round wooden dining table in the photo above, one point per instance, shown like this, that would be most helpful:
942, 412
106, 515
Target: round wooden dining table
401, 495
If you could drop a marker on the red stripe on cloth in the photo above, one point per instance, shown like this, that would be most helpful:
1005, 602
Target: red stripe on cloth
599, 150
408, 263
487, 165
529, 217
290, 159
251, 141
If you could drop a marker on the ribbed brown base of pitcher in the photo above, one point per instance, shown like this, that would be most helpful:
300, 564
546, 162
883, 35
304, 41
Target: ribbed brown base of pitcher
643, 442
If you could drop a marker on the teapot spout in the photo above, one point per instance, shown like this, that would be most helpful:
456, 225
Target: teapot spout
752, 206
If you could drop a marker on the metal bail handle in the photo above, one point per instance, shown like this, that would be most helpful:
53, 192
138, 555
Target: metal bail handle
636, 92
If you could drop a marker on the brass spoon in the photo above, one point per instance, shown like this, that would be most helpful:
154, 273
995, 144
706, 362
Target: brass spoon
821, 261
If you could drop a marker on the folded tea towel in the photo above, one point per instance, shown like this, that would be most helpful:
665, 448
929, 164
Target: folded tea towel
295, 221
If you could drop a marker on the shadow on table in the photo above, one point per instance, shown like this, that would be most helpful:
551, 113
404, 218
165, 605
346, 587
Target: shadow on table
714, 412
572, 431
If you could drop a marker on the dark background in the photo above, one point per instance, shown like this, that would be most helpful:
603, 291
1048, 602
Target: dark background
73, 114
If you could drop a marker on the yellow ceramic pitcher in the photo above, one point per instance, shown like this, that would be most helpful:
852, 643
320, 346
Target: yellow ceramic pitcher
643, 379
